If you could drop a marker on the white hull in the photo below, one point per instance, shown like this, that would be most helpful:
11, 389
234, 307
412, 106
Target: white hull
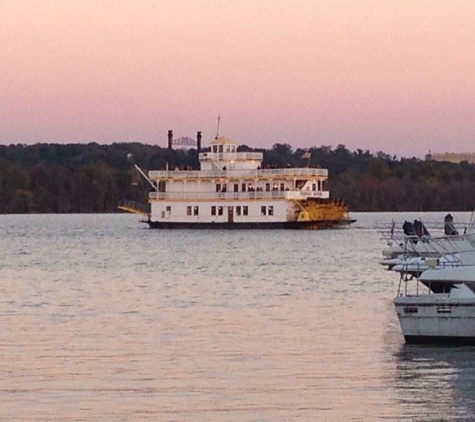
433, 319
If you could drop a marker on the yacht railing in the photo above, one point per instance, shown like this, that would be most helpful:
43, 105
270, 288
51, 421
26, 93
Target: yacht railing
423, 245
440, 252
414, 255
237, 174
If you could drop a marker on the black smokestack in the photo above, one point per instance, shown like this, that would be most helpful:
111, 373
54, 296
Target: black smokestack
198, 142
170, 139
170, 147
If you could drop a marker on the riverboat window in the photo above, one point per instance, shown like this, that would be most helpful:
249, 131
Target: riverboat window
238, 210
236, 187
245, 210
213, 210
227, 148
223, 188
250, 187
220, 148
267, 187
275, 186
188, 210
243, 187
314, 186
218, 187
168, 209
263, 210
196, 210
162, 186
282, 186
220, 210
271, 210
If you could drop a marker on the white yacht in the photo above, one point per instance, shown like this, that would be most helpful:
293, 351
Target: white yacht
435, 302
441, 309
233, 190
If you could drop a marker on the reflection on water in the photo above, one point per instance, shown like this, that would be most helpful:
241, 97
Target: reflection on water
436, 383
102, 319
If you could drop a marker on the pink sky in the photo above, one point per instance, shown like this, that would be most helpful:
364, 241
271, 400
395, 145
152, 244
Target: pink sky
396, 76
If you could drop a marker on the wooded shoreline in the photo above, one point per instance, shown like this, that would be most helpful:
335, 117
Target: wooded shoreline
94, 178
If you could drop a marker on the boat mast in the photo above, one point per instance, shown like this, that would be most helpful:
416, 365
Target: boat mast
217, 128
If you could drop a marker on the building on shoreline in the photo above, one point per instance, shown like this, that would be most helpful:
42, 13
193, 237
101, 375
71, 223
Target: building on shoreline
452, 157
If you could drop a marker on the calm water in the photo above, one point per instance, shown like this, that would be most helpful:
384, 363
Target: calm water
105, 320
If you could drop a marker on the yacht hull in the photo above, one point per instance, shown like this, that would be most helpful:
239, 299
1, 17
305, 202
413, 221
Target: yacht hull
435, 321
442, 340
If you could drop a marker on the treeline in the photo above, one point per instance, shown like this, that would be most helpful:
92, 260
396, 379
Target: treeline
93, 178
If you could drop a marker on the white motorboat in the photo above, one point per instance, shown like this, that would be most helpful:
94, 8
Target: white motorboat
440, 308
435, 302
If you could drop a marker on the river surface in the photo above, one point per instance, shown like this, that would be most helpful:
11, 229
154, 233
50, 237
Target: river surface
102, 319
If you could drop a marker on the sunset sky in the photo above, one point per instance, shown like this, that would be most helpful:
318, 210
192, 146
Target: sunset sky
396, 76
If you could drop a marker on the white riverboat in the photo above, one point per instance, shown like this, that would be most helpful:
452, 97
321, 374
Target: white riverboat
232, 190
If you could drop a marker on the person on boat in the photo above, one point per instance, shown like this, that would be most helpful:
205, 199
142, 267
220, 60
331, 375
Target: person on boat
408, 228
449, 227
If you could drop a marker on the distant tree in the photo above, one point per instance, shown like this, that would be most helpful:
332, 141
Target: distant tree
379, 169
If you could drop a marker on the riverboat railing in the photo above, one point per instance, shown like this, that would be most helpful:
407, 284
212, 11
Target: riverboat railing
240, 196
237, 174
135, 207
236, 156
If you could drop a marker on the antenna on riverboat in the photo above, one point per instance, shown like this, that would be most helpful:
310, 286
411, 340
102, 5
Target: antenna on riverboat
217, 128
